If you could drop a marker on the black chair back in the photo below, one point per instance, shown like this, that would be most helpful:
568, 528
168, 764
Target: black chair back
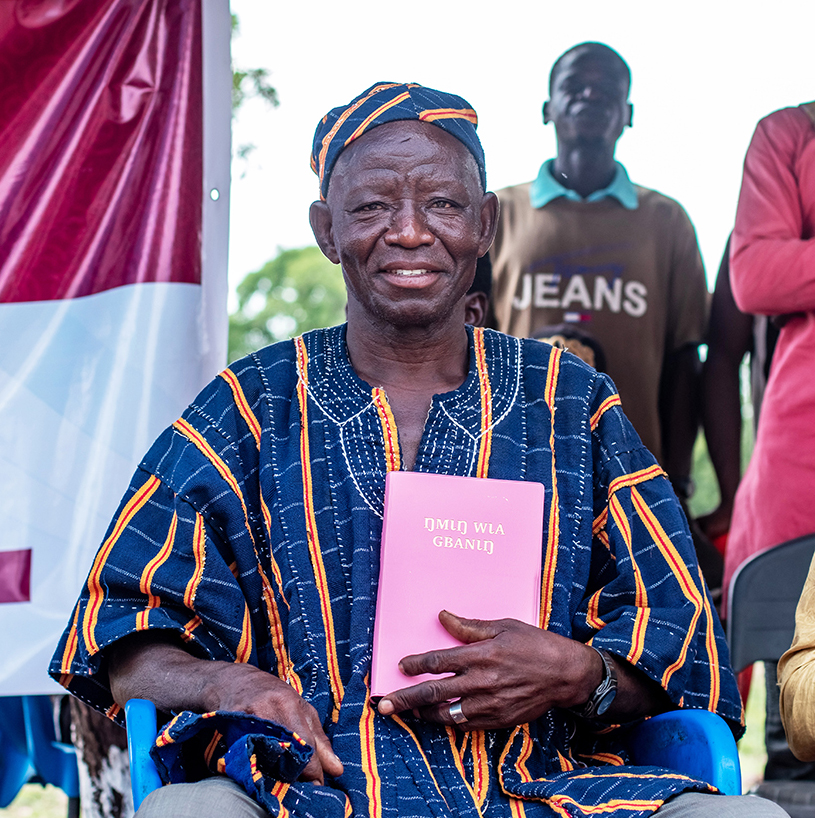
761, 604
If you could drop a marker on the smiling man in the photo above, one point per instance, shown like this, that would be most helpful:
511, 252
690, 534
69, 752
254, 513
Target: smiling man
581, 244
237, 585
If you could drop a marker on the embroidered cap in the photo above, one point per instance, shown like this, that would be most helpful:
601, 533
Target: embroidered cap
391, 102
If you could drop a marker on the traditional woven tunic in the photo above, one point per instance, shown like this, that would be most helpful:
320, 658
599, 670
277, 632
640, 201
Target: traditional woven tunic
252, 529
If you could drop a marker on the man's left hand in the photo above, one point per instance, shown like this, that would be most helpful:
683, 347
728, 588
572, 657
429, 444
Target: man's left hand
507, 673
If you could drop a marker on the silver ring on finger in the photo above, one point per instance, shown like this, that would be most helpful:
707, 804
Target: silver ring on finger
455, 713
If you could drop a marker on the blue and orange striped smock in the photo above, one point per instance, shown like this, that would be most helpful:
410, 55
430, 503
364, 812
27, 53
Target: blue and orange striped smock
252, 529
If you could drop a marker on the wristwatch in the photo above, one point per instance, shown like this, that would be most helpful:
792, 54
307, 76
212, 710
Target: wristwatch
605, 693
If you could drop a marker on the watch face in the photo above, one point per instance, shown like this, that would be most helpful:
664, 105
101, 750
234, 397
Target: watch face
606, 700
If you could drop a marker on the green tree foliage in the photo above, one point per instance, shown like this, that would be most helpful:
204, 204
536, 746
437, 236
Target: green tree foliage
297, 291
247, 84
252, 82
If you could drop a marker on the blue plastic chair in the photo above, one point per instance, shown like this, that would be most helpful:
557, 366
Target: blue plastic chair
15, 764
696, 743
53, 760
140, 715
31, 751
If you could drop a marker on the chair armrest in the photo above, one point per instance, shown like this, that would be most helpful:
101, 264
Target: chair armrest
140, 716
54, 760
696, 743
15, 763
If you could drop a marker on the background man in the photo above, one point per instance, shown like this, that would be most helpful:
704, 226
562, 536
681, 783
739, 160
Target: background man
239, 577
583, 245
772, 268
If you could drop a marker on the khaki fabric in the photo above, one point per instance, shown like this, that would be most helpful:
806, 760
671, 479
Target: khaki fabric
796, 675
631, 278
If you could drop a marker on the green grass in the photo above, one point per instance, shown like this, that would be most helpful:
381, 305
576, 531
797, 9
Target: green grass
36, 801
752, 753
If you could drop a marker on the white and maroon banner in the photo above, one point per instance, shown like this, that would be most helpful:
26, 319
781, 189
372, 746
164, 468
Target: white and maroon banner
114, 137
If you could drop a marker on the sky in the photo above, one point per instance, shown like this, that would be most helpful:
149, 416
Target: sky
703, 74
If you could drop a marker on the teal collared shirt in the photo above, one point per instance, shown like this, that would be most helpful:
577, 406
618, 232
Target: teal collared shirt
546, 187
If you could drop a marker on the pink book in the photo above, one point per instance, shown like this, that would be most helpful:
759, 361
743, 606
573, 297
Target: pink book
468, 545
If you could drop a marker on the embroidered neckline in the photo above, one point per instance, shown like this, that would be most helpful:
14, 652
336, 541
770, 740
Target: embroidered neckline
457, 437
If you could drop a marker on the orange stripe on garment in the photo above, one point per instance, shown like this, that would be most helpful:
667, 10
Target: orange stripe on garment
375, 115
565, 765
390, 435
524, 755
349, 810
485, 389
712, 651
149, 572
279, 790
267, 519
432, 114
199, 543
190, 627
640, 590
635, 478
600, 773
598, 529
70, 647
329, 137
638, 635
620, 518
679, 570
253, 768
370, 768
481, 766
606, 758
113, 711
410, 732
211, 747
245, 645
558, 804
457, 758
275, 622
96, 593
504, 754
517, 808
311, 530
613, 400
552, 540
164, 738
593, 619
243, 405
198, 440
613, 774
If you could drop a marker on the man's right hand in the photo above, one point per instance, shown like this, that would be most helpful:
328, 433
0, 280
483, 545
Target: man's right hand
153, 666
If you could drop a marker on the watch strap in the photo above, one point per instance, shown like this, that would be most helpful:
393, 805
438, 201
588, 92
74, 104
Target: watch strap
605, 693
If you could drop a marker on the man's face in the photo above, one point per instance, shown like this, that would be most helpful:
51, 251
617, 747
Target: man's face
589, 98
407, 219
